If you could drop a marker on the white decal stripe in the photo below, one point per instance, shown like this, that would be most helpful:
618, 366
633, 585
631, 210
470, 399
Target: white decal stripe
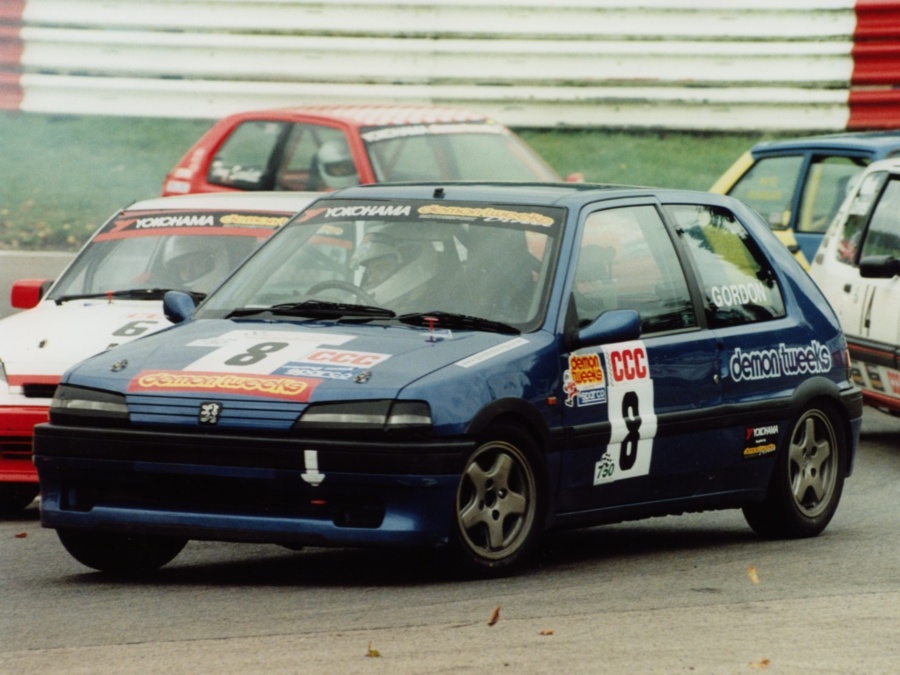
487, 354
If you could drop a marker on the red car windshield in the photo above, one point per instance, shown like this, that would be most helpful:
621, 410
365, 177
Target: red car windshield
456, 151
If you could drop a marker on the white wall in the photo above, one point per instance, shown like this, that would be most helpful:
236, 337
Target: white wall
674, 64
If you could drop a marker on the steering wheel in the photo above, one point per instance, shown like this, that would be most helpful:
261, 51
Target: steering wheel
343, 286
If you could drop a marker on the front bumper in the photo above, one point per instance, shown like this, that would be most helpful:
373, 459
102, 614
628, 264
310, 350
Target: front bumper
16, 430
320, 492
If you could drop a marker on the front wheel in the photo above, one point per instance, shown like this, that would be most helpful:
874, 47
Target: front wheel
808, 480
499, 508
118, 552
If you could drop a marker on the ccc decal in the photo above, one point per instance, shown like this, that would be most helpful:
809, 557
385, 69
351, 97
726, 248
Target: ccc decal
629, 364
632, 414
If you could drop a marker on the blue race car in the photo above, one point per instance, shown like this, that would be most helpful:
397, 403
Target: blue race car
797, 184
467, 365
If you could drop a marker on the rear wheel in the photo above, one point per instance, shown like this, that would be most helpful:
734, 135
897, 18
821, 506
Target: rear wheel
499, 503
118, 552
808, 479
14, 497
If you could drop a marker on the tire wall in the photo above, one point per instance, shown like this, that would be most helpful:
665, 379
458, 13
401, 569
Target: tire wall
719, 65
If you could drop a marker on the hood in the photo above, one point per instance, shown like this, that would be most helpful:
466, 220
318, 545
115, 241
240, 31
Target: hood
297, 362
48, 339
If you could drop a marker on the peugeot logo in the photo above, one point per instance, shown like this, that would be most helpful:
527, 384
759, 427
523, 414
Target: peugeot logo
209, 412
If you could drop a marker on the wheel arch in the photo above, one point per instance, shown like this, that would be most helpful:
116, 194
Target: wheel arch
515, 411
823, 390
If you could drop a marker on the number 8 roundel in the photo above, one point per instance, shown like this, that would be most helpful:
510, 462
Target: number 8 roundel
632, 414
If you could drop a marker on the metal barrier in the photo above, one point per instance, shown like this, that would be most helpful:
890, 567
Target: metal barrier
665, 64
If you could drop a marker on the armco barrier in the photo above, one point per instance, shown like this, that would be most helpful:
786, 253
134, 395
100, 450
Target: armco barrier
874, 99
805, 65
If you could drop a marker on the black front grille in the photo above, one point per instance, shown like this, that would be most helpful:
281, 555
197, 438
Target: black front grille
288, 498
38, 390
15, 449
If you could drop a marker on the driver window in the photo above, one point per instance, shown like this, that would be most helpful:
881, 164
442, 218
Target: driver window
300, 167
626, 260
883, 234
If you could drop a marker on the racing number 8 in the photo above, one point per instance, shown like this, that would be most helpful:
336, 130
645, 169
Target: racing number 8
632, 417
255, 354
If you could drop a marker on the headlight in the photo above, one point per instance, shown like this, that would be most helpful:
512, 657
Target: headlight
73, 404
366, 416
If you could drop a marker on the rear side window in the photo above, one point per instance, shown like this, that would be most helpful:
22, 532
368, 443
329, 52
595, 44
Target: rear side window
827, 183
242, 161
738, 284
769, 188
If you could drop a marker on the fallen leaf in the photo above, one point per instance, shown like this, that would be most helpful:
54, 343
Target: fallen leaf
495, 616
751, 572
21, 535
372, 653
759, 665
547, 631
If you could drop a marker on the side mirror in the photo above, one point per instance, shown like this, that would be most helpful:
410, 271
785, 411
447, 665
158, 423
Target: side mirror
27, 293
879, 267
178, 305
615, 325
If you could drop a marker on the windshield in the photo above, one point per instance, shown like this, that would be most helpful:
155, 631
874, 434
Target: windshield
137, 252
463, 151
379, 260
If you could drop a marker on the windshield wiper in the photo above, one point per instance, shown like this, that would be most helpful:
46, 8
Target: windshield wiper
318, 309
131, 294
458, 321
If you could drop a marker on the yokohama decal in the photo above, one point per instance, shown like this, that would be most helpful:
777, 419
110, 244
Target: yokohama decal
295, 389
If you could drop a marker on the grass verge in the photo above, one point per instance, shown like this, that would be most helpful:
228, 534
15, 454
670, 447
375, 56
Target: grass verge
62, 176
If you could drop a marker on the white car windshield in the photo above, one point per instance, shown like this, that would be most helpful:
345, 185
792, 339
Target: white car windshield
144, 253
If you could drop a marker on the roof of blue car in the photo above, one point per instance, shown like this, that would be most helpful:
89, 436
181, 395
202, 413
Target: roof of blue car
878, 143
547, 194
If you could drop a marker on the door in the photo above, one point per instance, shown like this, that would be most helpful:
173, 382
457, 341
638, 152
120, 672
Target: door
634, 412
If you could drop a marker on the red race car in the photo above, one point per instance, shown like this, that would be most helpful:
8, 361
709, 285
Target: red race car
322, 148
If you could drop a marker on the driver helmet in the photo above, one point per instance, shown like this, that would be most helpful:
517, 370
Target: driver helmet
393, 267
195, 263
335, 165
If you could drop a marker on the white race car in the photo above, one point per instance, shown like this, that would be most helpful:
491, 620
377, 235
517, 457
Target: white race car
858, 269
112, 293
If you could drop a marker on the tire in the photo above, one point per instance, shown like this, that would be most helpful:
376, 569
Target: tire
15, 497
808, 479
500, 503
120, 553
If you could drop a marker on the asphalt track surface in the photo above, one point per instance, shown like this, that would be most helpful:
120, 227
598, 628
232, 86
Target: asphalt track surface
692, 594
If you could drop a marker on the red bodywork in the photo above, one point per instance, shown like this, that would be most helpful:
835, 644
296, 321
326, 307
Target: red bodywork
190, 174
